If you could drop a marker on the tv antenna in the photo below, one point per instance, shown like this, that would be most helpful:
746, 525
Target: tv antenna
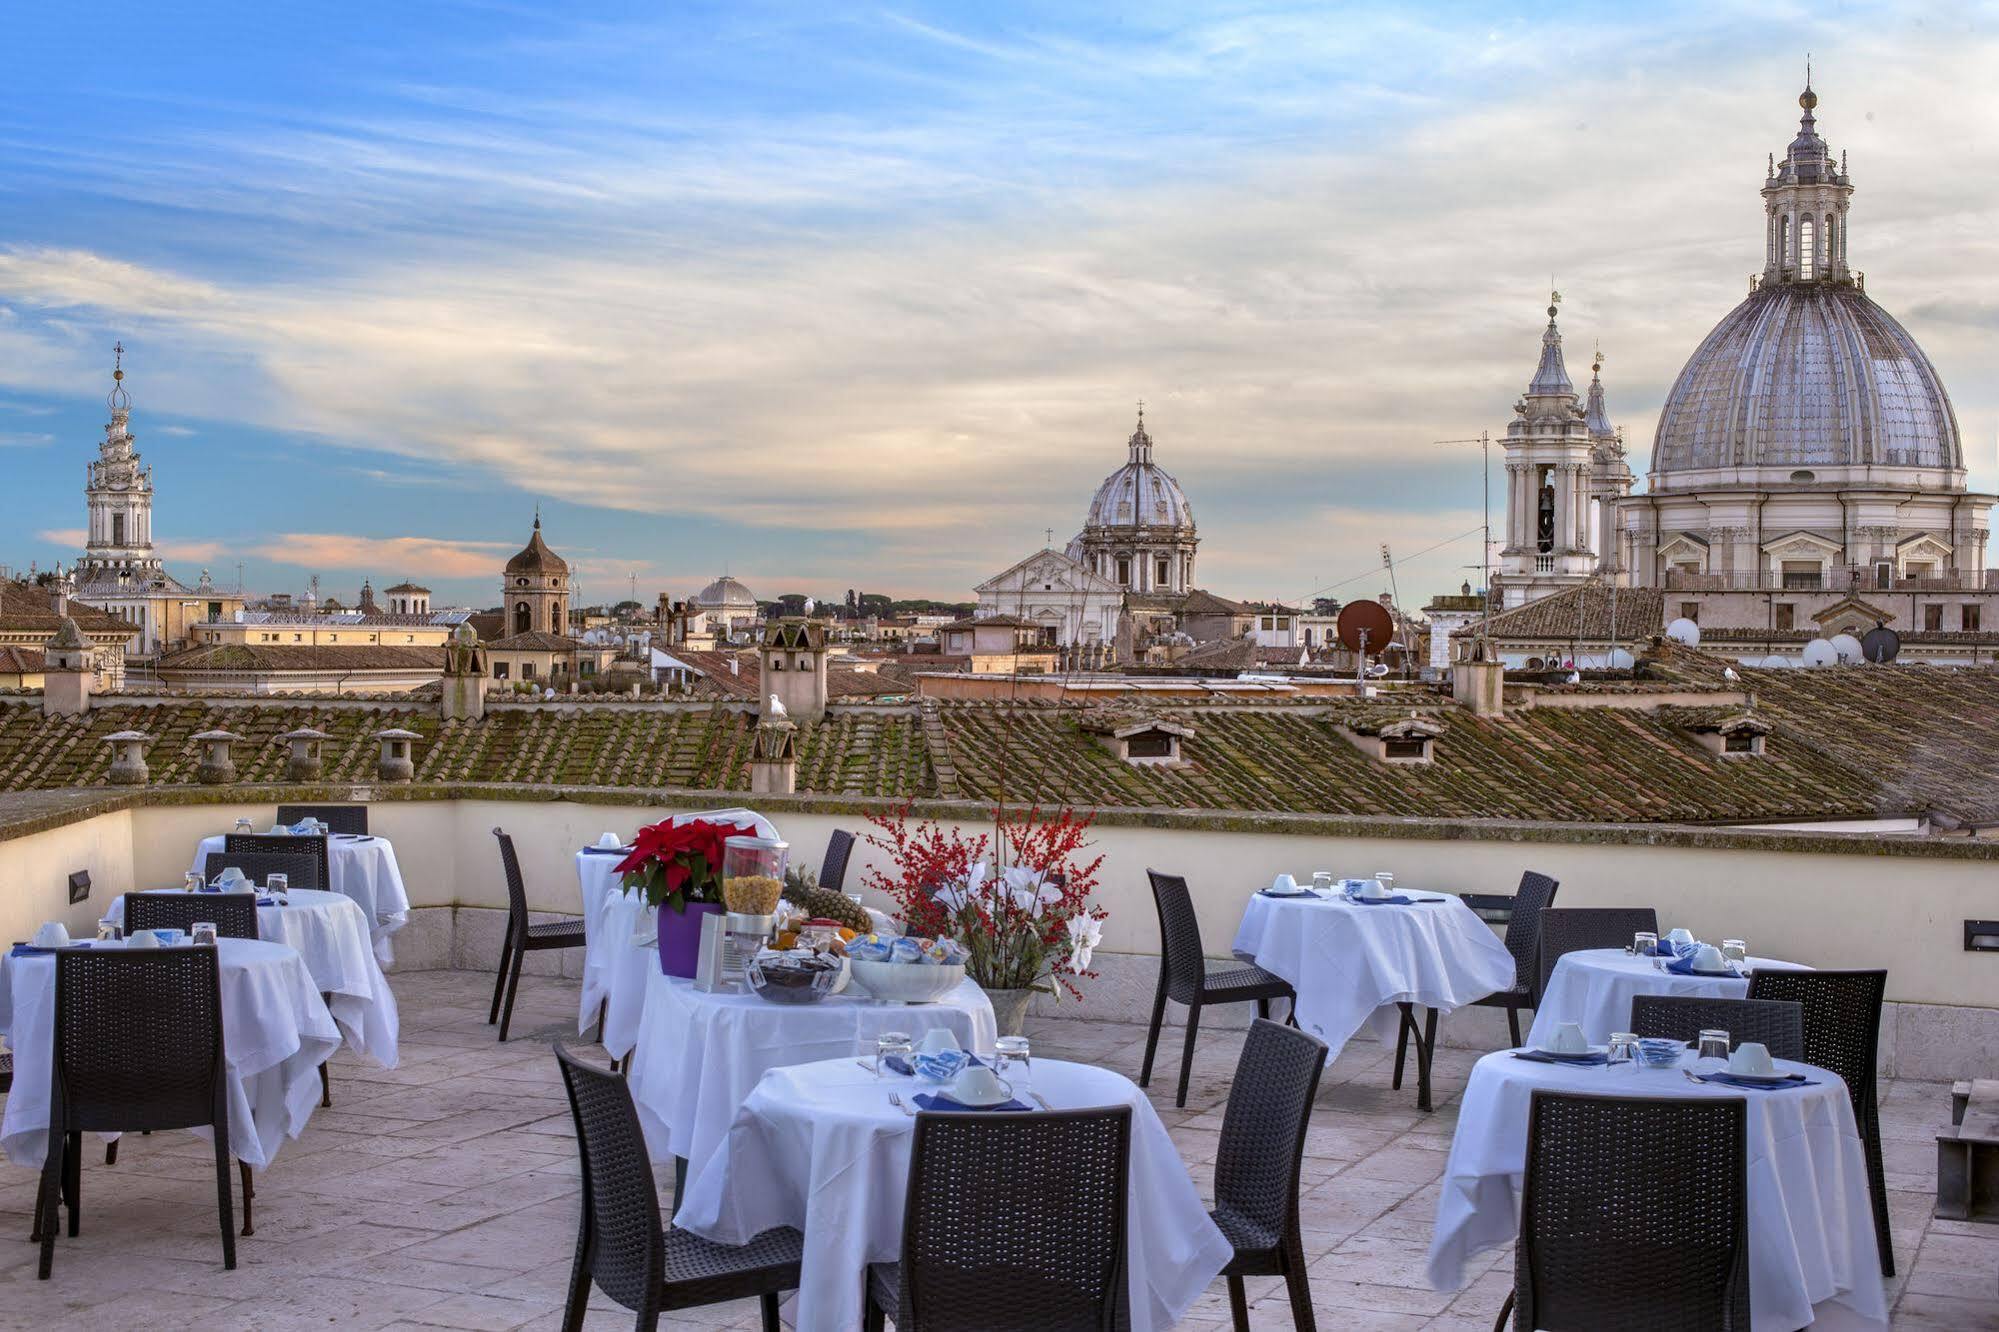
1484, 442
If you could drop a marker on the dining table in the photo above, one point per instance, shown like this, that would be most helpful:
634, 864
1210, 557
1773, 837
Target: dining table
1594, 987
822, 1148
359, 866
1813, 1261
276, 1032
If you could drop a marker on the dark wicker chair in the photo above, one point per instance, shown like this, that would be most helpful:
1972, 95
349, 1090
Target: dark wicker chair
1011, 1221
522, 937
338, 818
1575, 929
1604, 1244
1256, 1168
1843, 1036
1523, 939
6, 1071
620, 1244
284, 845
138, 1045
301, 869
839, 850
1777, 1023
1184, 976
234, 914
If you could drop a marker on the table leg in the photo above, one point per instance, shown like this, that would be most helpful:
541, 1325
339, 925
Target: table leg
1426, 1043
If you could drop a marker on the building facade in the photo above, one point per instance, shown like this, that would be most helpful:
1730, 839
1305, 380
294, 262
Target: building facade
535, 588
1061, 596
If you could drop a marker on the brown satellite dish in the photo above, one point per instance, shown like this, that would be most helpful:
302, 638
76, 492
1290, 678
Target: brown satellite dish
1369, 617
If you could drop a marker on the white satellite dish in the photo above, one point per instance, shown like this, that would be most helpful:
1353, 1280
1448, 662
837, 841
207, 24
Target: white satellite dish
1818, 652
1848, 648
1684, 632
1776, 663
1620, 660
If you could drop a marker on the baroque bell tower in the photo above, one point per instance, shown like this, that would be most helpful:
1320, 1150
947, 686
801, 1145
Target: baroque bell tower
118, 491
1549, 457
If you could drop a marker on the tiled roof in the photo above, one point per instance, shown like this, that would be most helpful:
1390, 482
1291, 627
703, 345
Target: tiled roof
302, 657
20, 661
536, 640
25, 608
745, 681
1584, 613
1200, 601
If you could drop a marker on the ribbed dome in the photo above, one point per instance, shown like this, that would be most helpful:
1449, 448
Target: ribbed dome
1140, 493
1803, 375
536, 557
726, 591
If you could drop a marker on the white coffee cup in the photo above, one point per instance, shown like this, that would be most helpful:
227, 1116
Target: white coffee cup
1708, 958
1752, 1058
52, 934
1569, 1039
978, 1085
609, 841
1371, 889
142, 939
937, 1040
1680, 936
1285, 883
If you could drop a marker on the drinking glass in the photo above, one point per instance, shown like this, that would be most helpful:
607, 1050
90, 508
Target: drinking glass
108, 930
855, 897
1644, 943
1011, 1060
1623, 1047
243, 825
277, 885
891, 1044
1386, 880
1735, 950
192, 882
1713, 1051
203, 932
1322, 882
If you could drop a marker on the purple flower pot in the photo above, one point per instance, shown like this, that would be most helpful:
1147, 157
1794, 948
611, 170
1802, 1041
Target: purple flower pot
680, 937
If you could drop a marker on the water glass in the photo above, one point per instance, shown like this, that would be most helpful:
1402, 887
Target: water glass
203, 933
892, 1045
1386, 880
243, 825
108, 930
1322, 882
1011, 1061
1623, 1046
1735, 950
855, 897
1713, 1050
277, 885
1644, 943
192, 882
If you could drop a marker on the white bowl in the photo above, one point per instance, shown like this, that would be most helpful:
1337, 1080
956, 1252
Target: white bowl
908, 982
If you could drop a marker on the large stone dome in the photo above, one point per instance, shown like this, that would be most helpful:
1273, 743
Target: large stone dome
1804, 375
725, 592
1140, 494
536, 557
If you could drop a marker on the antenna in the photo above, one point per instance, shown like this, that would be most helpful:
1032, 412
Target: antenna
1484, 442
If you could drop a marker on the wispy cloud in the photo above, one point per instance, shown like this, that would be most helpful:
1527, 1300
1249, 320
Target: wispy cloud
24, 439
172, 548
388, 556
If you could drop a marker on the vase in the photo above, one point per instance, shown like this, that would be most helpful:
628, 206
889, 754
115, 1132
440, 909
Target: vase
680, 937
1010, 1010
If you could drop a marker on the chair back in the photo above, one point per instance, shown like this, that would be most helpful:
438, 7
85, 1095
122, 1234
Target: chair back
1778, 1024
1180, 956
1573, 929
1523, 928
1842, 1017
620, 1244
337, 818
234, 914
517, 892
833, 869
1016, 1220
1263, 1130
138, 1041
1635, 1213
300, 869
284, 844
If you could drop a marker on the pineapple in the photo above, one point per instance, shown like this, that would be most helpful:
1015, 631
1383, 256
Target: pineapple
802, 890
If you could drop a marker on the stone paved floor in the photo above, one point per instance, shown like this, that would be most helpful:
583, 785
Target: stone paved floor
443, 1194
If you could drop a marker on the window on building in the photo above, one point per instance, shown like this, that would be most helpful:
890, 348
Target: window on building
586, 667
1162, 572
1409, 747
1807, 247
1268, 624
117, 529
1124, 571
523, 617
1687, 567
1884, 574
1149, 744
1803, 573
1921, 569
1739, 742
527, 670
1690, 610
1967, 617
1933, 619
499, 670
1784, 616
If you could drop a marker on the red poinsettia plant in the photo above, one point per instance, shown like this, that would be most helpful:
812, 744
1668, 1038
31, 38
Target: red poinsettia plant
1026, 923
674, 864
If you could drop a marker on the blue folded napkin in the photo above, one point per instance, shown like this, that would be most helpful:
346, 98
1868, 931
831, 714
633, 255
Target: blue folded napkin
1272, 892
940, 1101
607, 851
1543, 1057
897, 1064
1731, 1080
1684, 966
31, 950
1398, 899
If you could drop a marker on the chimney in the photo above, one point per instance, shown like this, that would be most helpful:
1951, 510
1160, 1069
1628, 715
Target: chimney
303, 764
395, 763
68, 673
1479, 682
218, 765
128, 757
774, 757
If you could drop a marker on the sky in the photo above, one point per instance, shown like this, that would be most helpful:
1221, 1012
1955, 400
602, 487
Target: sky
838, 297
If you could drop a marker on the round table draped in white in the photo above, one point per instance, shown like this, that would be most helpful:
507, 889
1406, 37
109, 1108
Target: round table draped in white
1811, 1224
363, 868
1594, 987
276, 1033
331, 936
822, 1144
699, 1054
1350, 963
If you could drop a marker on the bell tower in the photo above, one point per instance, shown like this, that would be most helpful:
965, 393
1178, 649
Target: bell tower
1805, 199
1548, 483
118, 492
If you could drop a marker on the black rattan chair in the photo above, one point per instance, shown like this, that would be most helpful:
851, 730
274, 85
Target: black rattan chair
1256, 1167
1843, 1036
137, 1045
1523, 939
620, 1244
1603, 1244
1575, 929
833, 869
1011, 1221
1777, 1023
6, 1071
522, 937
234, 914
337, 818
284, 845
1184, 976
301, 869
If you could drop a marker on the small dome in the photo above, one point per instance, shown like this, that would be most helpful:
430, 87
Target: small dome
725, 592
1140, 493
536, 557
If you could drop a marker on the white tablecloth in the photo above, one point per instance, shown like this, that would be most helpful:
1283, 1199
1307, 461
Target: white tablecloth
819, 1147
275, 1031
698, 1055
1811, 1225
1595, 986
331, 936
1349, 962
363, 868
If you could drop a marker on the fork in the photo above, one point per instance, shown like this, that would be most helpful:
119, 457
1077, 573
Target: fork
895, 1099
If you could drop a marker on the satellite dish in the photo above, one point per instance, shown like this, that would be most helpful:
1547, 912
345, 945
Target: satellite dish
1369, 617
1848, 648
1620, 660
1818, 652
1881, 644
1684, 632
1776, 663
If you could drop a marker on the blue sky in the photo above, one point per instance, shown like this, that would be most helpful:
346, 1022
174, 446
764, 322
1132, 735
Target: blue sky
862, 297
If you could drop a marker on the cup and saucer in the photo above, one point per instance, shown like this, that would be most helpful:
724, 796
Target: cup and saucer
979, 1088
1750, 1062
1568, 1042
1286, 885
1707, 960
